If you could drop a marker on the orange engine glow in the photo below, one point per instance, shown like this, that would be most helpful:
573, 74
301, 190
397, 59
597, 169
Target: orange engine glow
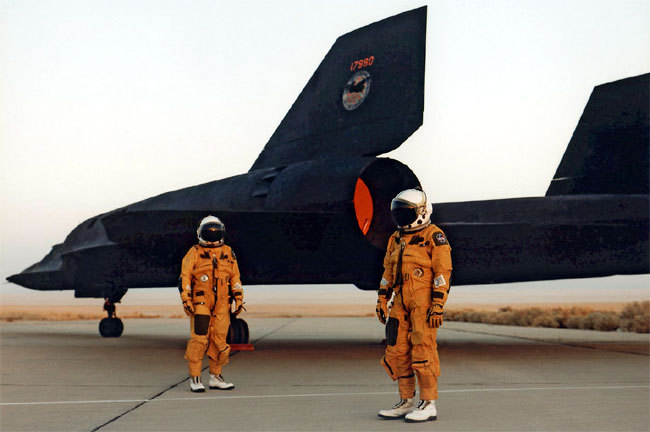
363, 206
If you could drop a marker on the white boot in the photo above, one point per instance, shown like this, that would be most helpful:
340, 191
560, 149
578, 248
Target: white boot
217, 382
425, 411
196, 385
401, 408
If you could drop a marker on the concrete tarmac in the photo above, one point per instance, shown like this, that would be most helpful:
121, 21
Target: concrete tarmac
317, 374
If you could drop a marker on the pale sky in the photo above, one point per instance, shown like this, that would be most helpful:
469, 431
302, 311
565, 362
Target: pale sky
105, 103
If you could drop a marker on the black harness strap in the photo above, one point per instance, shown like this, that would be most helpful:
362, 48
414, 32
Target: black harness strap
215, 266
399, 277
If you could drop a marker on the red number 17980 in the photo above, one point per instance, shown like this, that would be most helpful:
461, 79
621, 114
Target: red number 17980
358, 64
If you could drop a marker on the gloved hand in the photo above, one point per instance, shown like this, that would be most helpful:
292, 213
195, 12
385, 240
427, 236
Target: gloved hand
239, 307
189, 307
434, 315
382, 311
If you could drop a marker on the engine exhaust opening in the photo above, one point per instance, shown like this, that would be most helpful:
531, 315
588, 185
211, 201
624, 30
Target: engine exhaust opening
363, 206
377, 185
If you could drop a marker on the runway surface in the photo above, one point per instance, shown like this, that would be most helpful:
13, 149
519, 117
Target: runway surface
313, 374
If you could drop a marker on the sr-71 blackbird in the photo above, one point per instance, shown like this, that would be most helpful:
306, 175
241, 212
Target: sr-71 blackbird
314, 207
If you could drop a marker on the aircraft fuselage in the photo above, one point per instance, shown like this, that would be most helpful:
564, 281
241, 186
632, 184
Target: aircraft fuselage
494, 241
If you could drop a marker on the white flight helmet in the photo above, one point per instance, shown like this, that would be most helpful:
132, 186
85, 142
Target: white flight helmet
211, 231
410, 210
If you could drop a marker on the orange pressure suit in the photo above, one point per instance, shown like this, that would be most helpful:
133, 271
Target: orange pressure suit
417, 267
209, 279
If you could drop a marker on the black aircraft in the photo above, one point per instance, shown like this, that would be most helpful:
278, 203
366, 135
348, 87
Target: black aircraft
314, 207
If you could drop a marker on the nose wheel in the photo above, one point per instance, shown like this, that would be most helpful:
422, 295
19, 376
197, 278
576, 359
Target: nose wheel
111, 326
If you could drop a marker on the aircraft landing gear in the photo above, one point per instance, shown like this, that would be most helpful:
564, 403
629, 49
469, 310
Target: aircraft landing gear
111, 326
238, 331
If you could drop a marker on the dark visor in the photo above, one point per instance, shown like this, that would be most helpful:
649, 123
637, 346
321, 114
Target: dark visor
212, 232
403, 213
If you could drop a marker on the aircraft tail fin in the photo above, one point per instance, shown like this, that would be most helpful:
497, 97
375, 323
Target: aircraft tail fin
608, 153
366, 97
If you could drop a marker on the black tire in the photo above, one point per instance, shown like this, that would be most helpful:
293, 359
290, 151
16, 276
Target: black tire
244, 331
111, 327
105, 327
119, 327
238, 332
233, 332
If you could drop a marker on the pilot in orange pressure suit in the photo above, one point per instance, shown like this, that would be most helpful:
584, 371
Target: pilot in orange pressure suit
209, 280
417, 268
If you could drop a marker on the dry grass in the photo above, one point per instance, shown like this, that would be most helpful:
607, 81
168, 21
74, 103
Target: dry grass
10, 313
635, 317
65, 316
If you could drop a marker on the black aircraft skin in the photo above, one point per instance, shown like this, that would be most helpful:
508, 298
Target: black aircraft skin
295, 216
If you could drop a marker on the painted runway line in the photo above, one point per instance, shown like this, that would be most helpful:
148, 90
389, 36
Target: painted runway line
311, 395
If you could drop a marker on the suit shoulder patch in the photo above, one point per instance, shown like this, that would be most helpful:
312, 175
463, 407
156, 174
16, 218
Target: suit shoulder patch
439, 238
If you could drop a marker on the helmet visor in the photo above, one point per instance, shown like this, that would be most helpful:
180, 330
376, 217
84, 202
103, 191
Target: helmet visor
212, 232
403, 213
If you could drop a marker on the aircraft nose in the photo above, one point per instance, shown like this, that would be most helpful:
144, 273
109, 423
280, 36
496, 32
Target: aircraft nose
37, 281
23, 279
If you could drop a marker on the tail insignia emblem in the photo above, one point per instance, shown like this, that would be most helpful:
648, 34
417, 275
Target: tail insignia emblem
356, 90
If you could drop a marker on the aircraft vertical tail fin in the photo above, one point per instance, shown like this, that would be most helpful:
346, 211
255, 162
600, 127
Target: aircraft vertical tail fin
608, 153
365, 98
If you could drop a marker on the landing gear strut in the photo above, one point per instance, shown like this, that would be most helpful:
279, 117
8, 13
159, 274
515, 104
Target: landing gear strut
111, 326
238, 331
